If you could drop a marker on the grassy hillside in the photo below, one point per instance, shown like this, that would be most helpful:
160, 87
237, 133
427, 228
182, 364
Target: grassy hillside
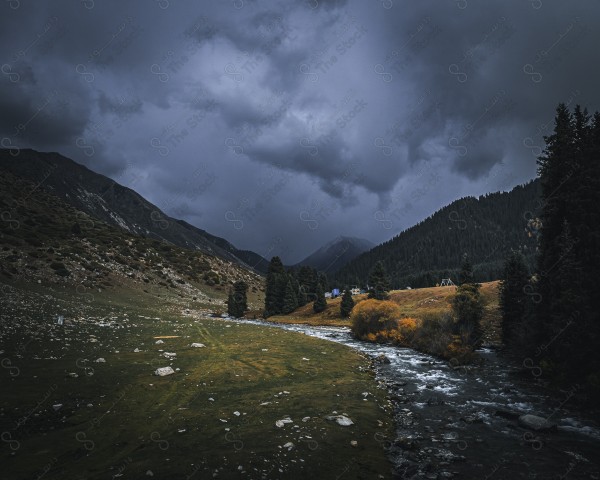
414, 303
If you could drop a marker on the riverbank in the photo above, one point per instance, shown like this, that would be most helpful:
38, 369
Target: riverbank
464, 422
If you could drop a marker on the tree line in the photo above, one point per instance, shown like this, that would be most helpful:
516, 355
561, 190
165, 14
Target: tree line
548, 311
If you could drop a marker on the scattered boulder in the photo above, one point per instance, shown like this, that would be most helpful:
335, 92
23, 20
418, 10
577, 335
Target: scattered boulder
407, 443
164, 371
533, 422
159, 342
100, 360
197, 345
289, 446
382, 359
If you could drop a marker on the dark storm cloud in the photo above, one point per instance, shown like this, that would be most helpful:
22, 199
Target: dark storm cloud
280, 125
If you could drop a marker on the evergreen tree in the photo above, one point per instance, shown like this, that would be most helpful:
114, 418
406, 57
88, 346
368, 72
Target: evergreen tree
275, 289
378, 282
555, 168
320, 302
347, 303
307, 278
237, 302
322, 280
290, 301
468, 308
513, 298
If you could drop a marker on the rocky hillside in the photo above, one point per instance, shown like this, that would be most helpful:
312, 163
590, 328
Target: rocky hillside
46, 241
106, 200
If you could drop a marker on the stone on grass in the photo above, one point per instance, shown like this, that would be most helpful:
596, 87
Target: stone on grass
100, 360
342, 420
197, 345
164, 371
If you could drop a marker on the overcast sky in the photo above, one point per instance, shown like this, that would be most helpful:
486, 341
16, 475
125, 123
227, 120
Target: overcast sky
280, 125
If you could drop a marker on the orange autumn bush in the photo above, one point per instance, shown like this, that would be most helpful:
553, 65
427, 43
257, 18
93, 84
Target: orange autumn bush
374, 320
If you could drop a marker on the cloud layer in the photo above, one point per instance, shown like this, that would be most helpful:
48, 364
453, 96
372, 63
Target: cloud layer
280, 125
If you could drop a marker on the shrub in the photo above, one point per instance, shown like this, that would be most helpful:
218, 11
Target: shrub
212, 278
434, 334
379, 318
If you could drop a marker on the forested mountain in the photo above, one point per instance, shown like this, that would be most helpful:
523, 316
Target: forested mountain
485, 228
335, 254
104, 199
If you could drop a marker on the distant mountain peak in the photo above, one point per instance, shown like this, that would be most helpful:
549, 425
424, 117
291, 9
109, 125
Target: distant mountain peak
336, 253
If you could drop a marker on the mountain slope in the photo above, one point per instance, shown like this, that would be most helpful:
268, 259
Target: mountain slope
106, 200
47, 242
334, 255
486, 228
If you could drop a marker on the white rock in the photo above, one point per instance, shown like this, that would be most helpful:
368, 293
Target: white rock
197, 345
169, 354
289, 446
72, 375
211, 399
161, 372
159, 342
279, 423
306, 419
306, 359
236, 413
136, 350
149, 473
354, 443
57, 407
344, 421
100, 360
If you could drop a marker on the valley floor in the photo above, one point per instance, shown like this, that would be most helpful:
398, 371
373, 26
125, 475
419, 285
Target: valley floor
80, 400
